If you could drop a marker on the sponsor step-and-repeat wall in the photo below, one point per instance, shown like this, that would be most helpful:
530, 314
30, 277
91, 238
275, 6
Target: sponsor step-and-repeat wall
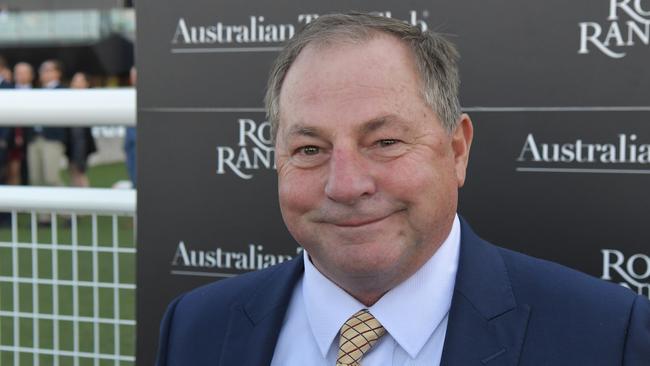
560, 166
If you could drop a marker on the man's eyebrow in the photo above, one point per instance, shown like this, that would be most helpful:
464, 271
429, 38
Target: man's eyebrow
383, 121
303, 130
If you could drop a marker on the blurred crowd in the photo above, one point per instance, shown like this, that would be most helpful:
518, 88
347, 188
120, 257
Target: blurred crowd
32, 155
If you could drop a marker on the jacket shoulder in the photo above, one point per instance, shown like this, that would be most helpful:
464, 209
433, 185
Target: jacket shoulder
571, 310
223, 294
533, 277
194, 327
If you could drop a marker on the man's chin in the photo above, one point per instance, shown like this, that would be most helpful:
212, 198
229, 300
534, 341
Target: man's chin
360, 264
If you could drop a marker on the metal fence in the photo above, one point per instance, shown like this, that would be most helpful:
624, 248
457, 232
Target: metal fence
67, 276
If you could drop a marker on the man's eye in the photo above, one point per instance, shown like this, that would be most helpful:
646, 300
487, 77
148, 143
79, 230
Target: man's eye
309, 150
386, 142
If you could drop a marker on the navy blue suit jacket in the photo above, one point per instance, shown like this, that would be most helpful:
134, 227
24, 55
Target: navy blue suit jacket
4, 131
507, 309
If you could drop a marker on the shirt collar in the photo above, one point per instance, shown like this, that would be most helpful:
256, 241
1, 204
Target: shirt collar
325, 316
52, 84
427, 293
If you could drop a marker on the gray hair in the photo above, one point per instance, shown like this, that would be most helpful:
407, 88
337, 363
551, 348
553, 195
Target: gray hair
436, 59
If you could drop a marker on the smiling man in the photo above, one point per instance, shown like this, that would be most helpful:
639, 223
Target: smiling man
371, 150
368, 174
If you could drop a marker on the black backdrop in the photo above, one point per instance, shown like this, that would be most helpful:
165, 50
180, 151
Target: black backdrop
560, 168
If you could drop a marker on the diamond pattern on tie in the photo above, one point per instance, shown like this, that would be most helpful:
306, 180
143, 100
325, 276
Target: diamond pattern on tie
357, 336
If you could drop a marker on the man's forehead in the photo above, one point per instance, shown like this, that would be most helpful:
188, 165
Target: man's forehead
359, 82
325, 51
342, 69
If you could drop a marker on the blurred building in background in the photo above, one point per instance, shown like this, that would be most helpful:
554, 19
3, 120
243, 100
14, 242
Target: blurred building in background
95, 37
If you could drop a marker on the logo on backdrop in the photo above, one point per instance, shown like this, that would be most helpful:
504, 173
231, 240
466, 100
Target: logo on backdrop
632, 272
254, 30
627, 25
211, 262
254, 150
623, 153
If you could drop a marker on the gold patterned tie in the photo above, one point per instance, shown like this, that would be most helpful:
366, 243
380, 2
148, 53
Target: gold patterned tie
358, 334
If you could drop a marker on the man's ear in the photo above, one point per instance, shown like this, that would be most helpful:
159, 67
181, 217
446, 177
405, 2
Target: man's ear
461, 141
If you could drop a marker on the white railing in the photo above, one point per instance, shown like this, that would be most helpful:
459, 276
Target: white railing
71, 281
68, 107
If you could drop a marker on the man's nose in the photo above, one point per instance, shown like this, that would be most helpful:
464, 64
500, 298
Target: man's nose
349, 177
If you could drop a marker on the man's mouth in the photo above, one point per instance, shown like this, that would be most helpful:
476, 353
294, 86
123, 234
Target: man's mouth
357, 222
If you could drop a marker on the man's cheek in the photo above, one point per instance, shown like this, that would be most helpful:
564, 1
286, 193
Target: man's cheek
295, 202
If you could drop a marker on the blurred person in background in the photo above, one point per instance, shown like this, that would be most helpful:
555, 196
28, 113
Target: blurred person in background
18, 136
80, 143
47, 145
130, 138
5, 83
5, 74
23, 76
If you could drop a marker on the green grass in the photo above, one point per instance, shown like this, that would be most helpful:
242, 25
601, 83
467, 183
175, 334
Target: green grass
100, 176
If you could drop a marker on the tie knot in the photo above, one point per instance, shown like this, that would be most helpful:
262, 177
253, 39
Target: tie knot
357, 336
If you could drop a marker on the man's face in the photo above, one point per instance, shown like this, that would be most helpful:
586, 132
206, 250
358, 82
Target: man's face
6, 74
23, 74
368, 177
79, 81
48, 73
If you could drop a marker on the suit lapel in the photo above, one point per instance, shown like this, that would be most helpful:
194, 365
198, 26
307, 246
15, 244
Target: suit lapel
486, 325
255, 323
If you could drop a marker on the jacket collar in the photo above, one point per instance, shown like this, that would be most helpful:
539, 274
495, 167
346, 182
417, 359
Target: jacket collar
486, 325
255, 324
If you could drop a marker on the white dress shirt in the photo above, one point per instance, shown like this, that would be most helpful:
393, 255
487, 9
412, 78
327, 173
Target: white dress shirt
414, 314
52, 84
